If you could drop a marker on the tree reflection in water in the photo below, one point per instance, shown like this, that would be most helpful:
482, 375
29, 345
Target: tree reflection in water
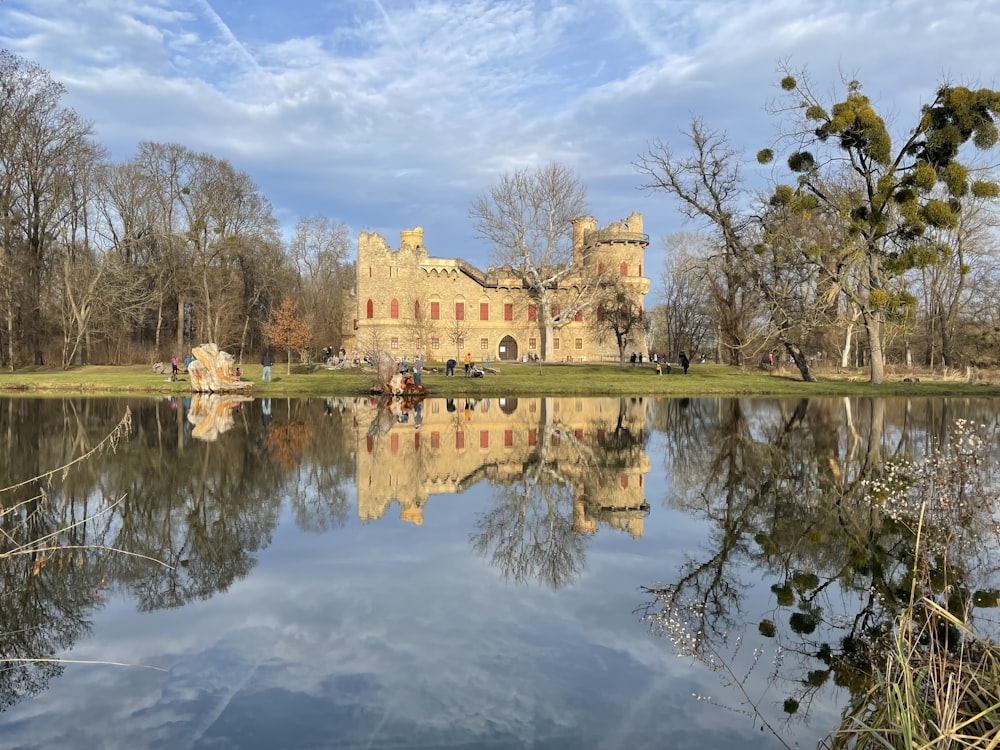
809, 503
52, 562
537, 528
192, 516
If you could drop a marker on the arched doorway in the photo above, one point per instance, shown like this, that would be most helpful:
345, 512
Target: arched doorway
508, 348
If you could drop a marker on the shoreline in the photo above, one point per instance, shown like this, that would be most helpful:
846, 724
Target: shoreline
512, 380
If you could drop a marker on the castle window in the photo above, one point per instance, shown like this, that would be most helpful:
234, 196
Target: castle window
370, 309
578, 344
600, 312
484, 438
579, 316
459, 311
435, 343
508, 438
435, 310
394, 343
600, 268
484, 344
459, 440
508, 311
532, 344
416, 309
624, 269
484, 310
555, 343
532, 312
640, 269
555, 311
435, 440
394, 308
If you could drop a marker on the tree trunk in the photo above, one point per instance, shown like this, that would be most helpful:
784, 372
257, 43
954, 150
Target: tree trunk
801, 361
548, 332
180, 327
876, 357
10, 333
845, 353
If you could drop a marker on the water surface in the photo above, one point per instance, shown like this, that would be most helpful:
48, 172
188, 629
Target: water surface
350, 574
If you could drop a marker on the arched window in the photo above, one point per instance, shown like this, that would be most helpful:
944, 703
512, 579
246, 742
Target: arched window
394, 308
416, 310
370, 309
624, 269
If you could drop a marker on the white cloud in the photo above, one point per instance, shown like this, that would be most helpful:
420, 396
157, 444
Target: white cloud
386, 114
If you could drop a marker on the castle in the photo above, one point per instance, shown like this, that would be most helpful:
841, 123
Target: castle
409, 303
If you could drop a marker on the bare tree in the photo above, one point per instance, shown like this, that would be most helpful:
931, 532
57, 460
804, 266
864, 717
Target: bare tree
708, 187
457, 333
964, 256
320, 250
420, 329
527, 218
43, 148
620, 317
686, 319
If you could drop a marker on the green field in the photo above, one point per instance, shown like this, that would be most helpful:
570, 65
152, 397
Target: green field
514, 379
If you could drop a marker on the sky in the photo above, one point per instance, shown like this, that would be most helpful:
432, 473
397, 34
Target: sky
389, 114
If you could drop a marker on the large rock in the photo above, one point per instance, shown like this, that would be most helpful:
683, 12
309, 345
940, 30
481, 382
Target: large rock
214, 371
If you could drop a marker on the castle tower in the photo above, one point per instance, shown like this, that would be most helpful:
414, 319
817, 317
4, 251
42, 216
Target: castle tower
581, 227
621, 247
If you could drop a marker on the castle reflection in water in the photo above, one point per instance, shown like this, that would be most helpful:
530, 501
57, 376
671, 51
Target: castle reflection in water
595, 448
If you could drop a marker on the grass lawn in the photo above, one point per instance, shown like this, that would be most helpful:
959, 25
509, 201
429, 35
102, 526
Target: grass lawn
514, 379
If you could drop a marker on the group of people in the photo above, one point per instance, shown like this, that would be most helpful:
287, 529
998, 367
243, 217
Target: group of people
416, 370
471, 371
661, 363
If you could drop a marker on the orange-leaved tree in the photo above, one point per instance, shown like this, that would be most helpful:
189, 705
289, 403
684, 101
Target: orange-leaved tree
289, 330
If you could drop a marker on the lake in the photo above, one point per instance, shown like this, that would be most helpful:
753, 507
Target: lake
505, 573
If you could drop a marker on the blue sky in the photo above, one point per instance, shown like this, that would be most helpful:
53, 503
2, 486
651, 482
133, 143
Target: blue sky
388, 114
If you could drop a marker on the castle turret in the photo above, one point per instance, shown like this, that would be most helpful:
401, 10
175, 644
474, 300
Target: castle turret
581, 227
412, 237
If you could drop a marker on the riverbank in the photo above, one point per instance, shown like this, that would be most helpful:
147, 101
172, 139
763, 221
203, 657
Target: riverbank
514, 379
